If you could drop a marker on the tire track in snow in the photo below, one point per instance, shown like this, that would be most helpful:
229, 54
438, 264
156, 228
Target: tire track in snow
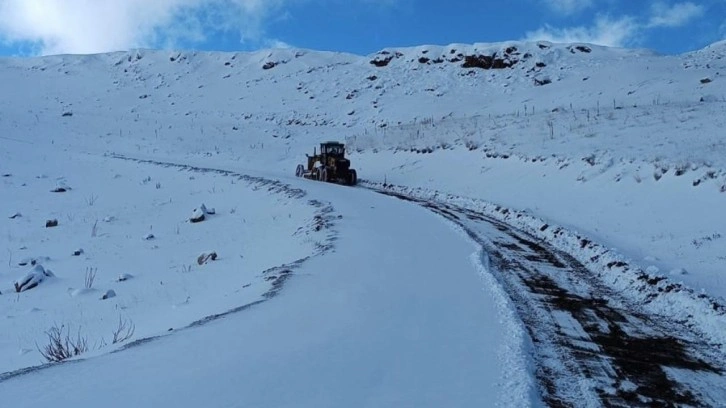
591, 347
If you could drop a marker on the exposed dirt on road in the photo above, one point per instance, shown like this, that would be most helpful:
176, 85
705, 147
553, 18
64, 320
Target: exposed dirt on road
591, 347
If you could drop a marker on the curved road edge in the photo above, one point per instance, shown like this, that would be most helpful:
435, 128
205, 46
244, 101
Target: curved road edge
592, 345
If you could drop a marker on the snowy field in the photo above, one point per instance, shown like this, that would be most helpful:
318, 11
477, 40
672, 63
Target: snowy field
622, 151
125, 227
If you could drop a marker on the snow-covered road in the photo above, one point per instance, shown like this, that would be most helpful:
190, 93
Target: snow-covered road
396, 314
593, 346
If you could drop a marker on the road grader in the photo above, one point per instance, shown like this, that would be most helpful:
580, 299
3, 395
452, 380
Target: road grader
329, 166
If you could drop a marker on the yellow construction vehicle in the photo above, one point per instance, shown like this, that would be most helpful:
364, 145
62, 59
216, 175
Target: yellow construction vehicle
329, 166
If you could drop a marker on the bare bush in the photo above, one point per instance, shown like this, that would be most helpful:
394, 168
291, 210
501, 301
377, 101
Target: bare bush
61, 346
429, 120
124, 331
91, 200
90, 277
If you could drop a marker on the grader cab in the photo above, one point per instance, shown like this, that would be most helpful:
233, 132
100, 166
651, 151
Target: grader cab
329, 166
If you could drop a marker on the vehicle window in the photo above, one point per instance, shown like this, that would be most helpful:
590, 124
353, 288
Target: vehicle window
333, 150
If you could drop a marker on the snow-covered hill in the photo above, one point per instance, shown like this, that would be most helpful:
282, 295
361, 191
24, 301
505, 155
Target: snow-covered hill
622, 148
630, 119
277, 94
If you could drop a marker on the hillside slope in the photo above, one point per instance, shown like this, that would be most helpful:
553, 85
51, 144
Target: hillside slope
637, 135
280, 94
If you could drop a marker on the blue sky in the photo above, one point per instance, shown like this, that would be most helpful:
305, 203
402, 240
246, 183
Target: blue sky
33, 27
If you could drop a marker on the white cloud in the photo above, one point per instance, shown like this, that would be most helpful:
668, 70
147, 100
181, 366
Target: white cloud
89, 26
277, 44
605, 31
677, 15
569, 6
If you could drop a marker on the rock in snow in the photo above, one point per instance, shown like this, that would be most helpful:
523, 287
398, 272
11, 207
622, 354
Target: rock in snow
108, 295
124, 277
205, 257
25, 261
197, 216
210, 211
33, 278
